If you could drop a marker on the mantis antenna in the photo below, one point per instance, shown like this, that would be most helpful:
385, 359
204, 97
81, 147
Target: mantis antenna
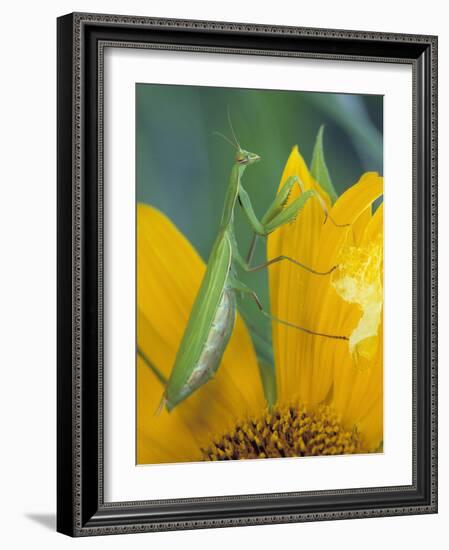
225, 138
232, 129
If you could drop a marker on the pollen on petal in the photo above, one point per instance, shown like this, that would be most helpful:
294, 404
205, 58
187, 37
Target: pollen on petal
358, 280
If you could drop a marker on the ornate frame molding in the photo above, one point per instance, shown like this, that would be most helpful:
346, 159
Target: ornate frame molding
81, 42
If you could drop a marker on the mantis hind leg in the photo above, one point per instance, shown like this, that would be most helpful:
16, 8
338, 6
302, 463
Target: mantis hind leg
238, 286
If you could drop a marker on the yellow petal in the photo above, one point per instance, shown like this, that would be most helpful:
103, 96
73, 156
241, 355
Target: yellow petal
298, 240
358, 381
169, 273
358, 395
296, 166
155, 434
358, 280
304, 363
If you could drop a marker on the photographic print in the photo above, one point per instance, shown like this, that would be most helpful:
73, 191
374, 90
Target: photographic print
259, 303
246, 336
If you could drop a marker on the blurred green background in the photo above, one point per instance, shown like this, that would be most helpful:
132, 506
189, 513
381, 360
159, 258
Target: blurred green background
183, 168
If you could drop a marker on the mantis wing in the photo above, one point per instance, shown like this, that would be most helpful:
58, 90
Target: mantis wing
200, 320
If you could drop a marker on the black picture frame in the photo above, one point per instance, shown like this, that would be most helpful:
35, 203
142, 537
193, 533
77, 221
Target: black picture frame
81, 509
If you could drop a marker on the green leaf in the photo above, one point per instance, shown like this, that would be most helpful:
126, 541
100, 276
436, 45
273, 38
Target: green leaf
264, 353
268, 376
319, 169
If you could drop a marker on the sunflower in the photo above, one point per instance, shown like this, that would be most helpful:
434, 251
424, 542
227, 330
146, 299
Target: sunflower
329, 392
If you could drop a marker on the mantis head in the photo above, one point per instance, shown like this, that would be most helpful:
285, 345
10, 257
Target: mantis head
242, 157
245, 157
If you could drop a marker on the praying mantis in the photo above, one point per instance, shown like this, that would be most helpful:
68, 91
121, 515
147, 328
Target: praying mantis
212, 318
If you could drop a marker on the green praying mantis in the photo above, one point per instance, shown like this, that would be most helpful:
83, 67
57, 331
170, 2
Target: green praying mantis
213, 313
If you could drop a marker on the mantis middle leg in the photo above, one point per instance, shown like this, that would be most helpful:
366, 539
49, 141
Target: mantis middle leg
276, 216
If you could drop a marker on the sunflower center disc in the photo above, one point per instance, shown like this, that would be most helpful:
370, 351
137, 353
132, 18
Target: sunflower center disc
285, 431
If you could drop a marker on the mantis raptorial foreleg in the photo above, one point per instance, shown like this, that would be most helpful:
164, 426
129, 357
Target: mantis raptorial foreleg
238, 286
278, 214
280, 200
275, 217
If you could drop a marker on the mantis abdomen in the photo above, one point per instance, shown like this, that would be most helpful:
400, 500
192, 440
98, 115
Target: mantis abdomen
216, 341
208, 329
